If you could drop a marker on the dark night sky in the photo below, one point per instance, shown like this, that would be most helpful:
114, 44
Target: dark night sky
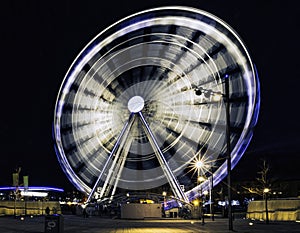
40, 40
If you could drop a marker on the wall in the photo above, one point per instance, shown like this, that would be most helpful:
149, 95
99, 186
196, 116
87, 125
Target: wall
278, 210
28, 207
141, 211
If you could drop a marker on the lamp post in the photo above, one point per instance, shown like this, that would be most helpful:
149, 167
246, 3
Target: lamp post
164, 193
211, 195
266, 191
199, 165
199, 91
230, 223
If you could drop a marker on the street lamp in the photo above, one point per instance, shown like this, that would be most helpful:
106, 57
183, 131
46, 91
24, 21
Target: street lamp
217, 96
211, 194
164, 193
266, 191
230, 223
199, 165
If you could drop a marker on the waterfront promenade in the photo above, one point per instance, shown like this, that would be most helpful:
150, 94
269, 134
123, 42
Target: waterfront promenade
95, 224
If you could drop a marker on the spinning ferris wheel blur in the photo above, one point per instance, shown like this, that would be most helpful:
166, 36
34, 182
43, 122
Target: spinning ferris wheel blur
145, 99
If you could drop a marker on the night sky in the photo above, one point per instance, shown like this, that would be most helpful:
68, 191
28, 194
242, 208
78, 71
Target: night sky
40, 40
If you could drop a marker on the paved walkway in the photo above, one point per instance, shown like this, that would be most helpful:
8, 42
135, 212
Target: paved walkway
94, 224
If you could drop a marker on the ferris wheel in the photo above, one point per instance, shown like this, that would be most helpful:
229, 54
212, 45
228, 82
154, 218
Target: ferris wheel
145, 100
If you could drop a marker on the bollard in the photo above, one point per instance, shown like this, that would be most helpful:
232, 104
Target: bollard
54, 223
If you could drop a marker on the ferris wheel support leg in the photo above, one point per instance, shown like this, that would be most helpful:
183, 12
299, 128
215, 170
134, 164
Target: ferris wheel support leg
116, 166
120, 168
126, 126
163, 163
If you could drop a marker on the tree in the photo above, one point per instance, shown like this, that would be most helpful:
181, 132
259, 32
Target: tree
263, 186
263, 180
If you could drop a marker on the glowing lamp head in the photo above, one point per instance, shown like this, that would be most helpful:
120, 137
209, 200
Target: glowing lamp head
266, 190
199, 164
201, 179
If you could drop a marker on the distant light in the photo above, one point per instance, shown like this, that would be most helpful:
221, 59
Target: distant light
221, 203
146, 201
33, 188
251, 223
235, 202
201, 179
196, 202
33, 194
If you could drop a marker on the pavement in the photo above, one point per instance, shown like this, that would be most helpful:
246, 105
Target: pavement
96, 224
